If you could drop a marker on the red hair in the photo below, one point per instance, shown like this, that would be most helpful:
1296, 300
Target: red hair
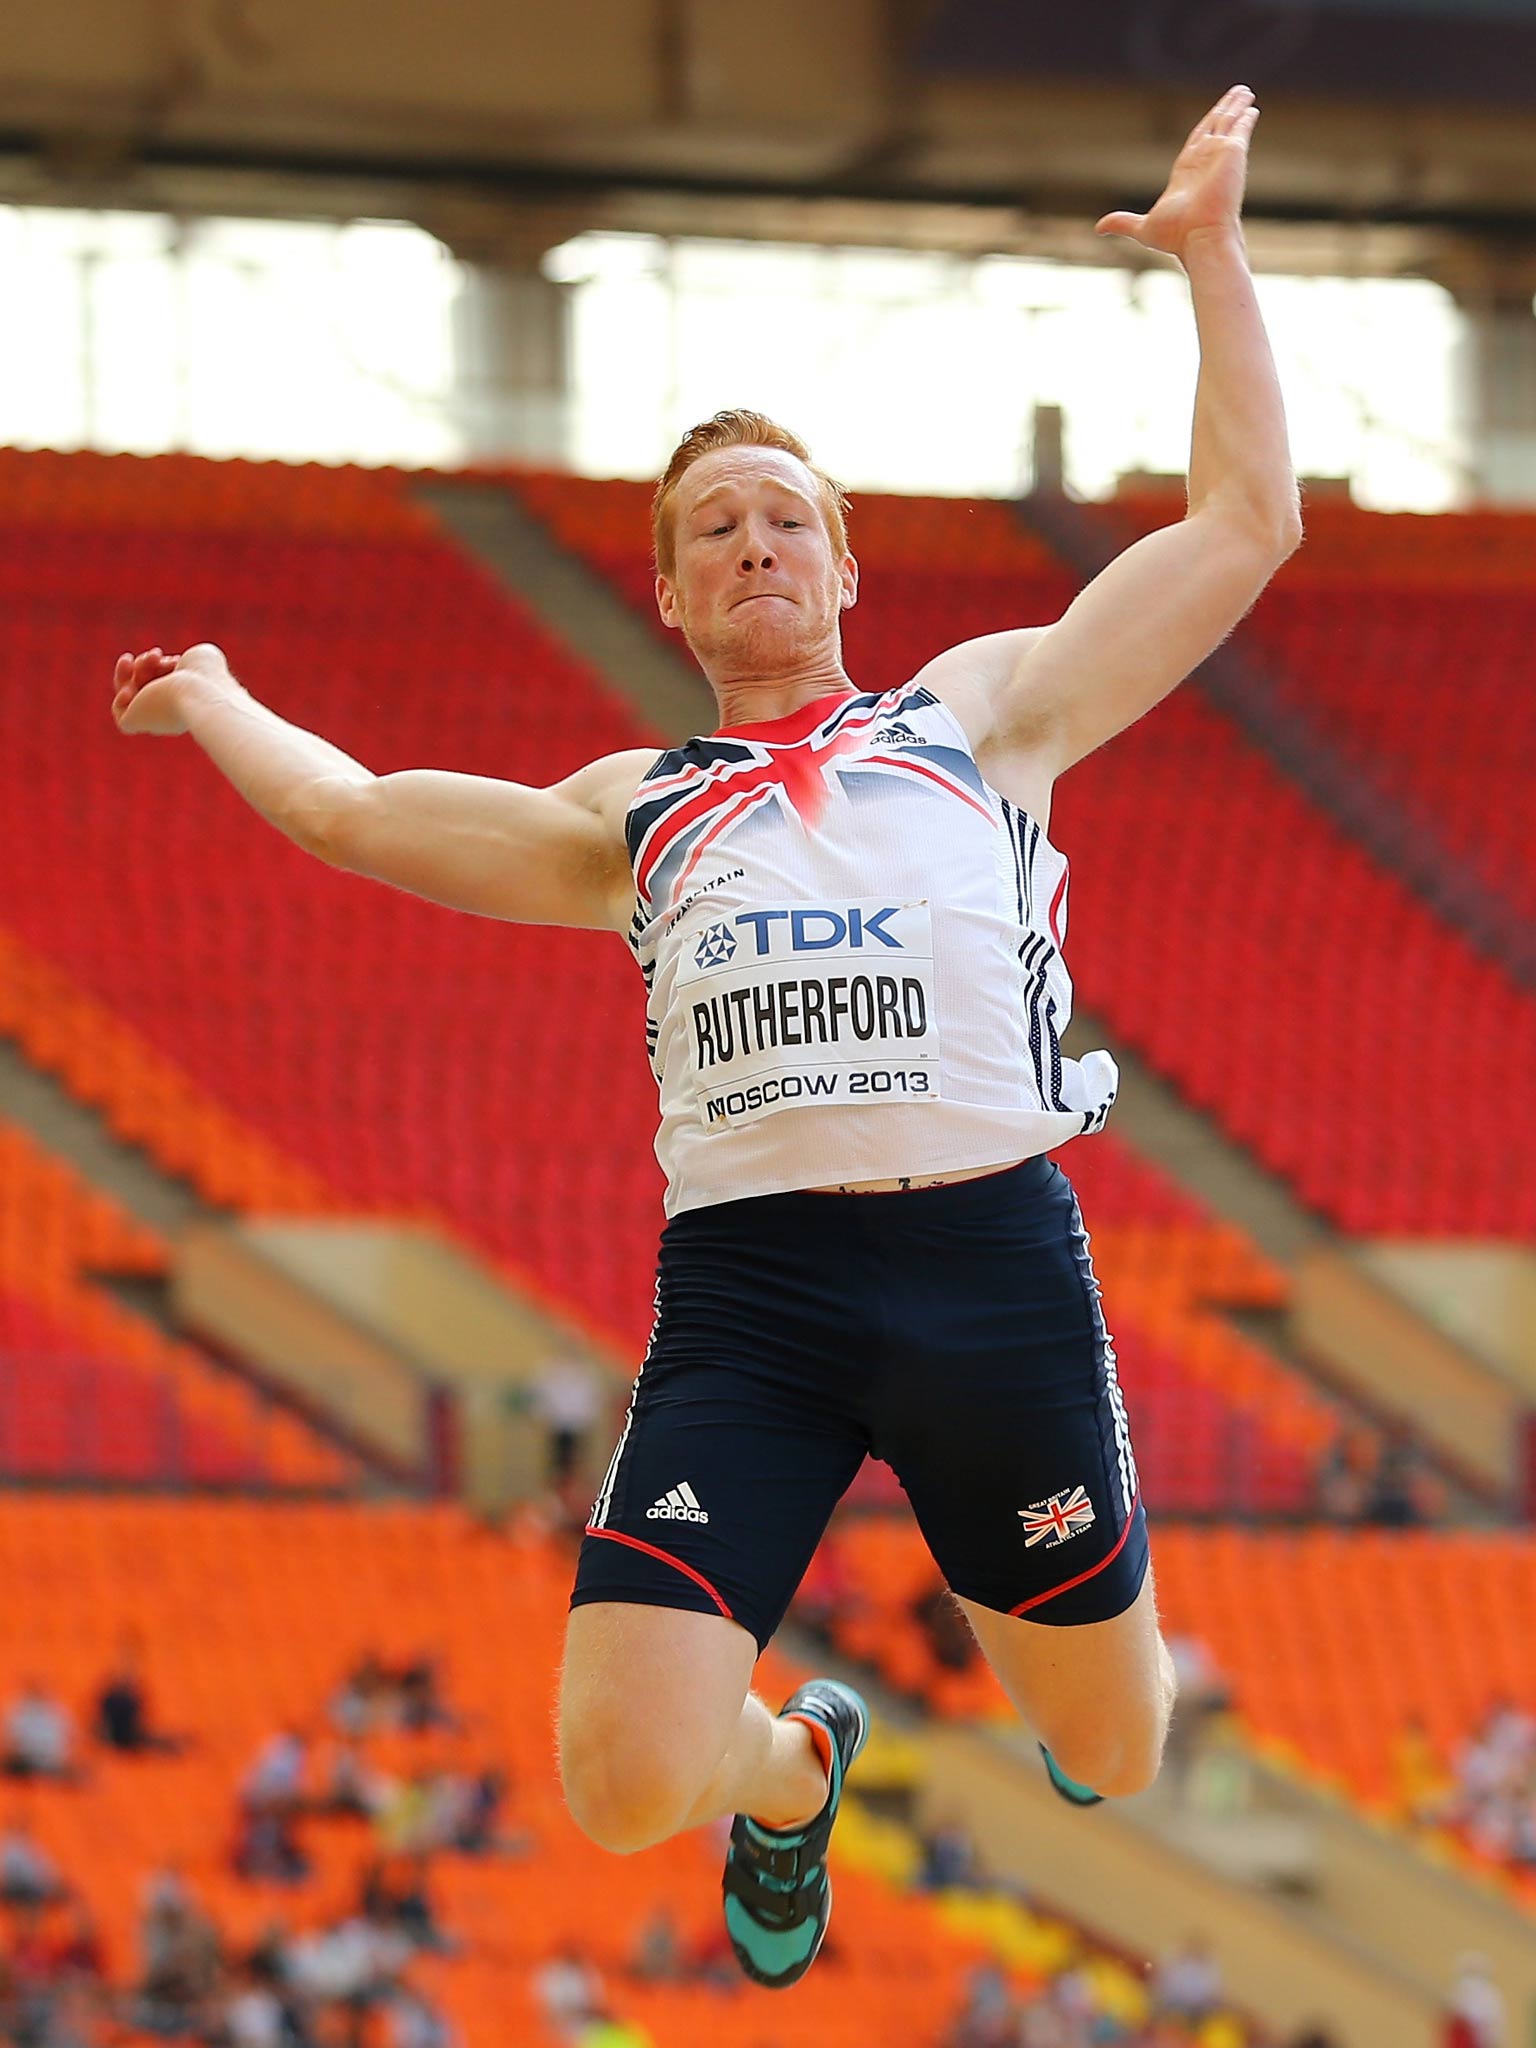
740, 429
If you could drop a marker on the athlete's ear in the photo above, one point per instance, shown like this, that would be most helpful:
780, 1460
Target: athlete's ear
848, 579
666, 603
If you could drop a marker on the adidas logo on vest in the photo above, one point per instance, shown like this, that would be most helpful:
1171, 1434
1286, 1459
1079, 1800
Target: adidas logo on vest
678, 1504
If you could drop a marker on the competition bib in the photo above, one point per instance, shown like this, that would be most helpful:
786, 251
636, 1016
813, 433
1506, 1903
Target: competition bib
810, 1004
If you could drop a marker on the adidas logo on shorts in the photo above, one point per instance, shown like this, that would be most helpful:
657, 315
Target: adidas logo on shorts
679, 1504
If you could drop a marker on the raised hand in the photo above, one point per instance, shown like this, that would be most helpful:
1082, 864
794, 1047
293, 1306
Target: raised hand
1205, 187
146, 688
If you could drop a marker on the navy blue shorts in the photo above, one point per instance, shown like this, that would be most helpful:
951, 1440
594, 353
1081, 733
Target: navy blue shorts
955, 1332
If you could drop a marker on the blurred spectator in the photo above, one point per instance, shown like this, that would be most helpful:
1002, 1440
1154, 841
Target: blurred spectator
1203, 1696
38, 1737
1386, 1480
938, 1614
122, 1719
1314, 2037
1187, 1984
42, 2003
1493, 1797
180, 1959
419, 1700
658, 1957
1042, 2024
569, 1991
711, 1960
569, 1397
988, 2018
254, 2016
364, 1699
68, 2018
352, 1965
414, 2022
275, 1781
77, 1946
1475, 2012
949, 1860
478, 1828
1404, 1492
1065, 2015
1074, 1994
409, 1812
396, 1896
373, 1698
1344, 1476
267, 1848
32, 1955
28, 1876
351, 1789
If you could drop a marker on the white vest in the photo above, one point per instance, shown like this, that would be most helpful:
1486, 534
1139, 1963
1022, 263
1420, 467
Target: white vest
852, 956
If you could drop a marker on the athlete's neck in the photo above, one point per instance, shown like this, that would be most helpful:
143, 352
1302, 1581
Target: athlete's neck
755, 700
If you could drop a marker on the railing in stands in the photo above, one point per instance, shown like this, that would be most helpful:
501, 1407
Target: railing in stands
81, 1420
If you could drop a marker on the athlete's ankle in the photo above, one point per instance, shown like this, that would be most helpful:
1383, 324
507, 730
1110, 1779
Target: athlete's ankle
805, 1773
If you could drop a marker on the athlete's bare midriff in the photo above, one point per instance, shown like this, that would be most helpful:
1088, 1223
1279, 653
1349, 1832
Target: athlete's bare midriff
907, 1183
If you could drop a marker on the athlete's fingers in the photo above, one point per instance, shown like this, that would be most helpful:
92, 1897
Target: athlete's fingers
1243, 105
1217, 120
1119, 224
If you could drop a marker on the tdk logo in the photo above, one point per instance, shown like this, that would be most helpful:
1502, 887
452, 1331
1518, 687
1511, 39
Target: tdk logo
818, 931
716, 947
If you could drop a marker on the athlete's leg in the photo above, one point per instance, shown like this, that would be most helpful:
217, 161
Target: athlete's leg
1098, 1695
742, 1435
659, 1732
1003, 1418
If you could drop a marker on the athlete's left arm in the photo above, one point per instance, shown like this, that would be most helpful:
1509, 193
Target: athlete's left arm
1162, 606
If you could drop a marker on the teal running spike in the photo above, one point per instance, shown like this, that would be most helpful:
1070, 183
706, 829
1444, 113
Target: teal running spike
778, 1897
1069, 1788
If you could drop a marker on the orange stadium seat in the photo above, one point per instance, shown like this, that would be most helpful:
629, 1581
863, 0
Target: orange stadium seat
1335, 1642
248, 1616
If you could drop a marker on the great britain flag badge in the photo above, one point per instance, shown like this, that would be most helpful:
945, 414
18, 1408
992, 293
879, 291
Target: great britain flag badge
1058, 1519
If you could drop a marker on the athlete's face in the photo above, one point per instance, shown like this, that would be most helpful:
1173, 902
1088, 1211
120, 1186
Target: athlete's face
756, 589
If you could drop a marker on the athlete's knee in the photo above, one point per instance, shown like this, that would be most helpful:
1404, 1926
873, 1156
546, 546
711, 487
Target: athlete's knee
1120, 1753
622, 1793
1133, 1768
1116, 1761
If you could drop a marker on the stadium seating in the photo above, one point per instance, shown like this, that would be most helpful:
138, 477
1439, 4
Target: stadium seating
1335, 1642
248, 1616
90, 1390
1253, 955
376, 1042
296, 1040
1406, 638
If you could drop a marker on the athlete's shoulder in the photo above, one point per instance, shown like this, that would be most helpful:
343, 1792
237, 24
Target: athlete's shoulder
607, 785
971, 678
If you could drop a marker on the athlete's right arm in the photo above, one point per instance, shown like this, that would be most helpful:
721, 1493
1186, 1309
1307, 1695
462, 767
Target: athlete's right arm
499, 849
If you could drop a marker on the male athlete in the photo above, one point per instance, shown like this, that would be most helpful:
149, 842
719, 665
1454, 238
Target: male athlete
849, 919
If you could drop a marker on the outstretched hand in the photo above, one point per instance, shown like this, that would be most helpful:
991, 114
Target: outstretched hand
1205, 187
145, 693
